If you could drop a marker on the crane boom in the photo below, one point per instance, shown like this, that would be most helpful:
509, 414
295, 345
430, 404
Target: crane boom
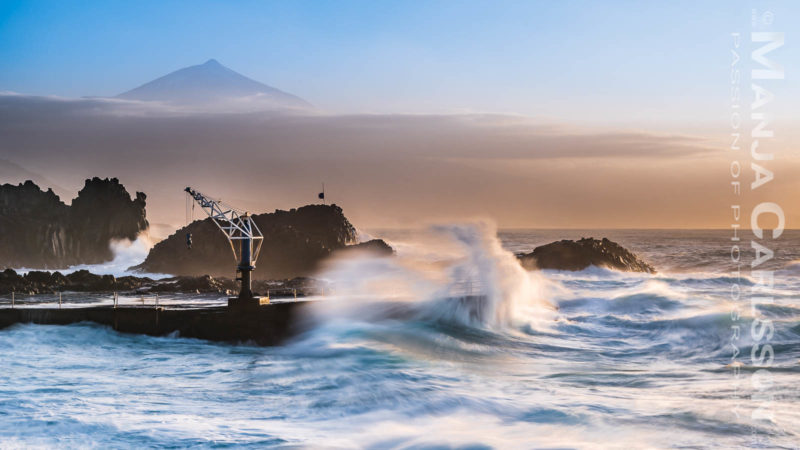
237, 225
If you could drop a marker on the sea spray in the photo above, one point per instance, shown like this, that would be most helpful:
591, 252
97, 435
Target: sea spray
474, 282
126, 254
500, 292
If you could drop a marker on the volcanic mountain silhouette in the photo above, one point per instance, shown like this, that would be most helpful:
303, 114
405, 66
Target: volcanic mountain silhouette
213, 85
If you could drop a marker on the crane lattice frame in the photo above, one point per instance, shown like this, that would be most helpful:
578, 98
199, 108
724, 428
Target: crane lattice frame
235, 223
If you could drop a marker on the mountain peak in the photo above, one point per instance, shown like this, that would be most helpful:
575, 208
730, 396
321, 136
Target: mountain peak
213, 86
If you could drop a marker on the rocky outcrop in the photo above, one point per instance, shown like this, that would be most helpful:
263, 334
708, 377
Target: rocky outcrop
41, 282
295, 242
104, 211
377, 247
36, 282
578, 255
37, 230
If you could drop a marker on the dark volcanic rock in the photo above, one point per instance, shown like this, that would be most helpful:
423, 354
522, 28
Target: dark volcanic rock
295, 242
10, 281
33, 227
38, 230
578, 255
36, 282
83, 280
103, 211
377, 247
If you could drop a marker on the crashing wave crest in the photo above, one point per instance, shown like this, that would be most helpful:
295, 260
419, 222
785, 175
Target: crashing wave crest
474, 282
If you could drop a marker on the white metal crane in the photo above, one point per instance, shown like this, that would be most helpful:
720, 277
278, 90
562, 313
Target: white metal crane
237, 225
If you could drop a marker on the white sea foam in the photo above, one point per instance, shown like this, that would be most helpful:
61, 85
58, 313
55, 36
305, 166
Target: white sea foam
127, 254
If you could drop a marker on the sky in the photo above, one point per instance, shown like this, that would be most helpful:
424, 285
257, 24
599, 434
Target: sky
547, 114
644, 62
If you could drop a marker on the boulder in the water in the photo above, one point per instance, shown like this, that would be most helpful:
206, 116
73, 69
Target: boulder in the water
578, 255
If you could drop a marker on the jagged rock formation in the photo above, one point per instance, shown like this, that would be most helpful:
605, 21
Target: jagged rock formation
37, 230
295, 242
578, 255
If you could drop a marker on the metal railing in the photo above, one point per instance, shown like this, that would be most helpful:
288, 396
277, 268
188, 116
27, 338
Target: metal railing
50, 299
143, 299
87, 299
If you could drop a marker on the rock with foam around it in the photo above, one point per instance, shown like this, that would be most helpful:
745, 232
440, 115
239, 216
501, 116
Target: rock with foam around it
578, 255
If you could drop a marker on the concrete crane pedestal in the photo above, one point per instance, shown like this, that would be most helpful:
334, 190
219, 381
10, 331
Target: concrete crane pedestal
247, 302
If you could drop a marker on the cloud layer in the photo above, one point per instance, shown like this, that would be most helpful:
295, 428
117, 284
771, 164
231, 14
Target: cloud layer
385, 170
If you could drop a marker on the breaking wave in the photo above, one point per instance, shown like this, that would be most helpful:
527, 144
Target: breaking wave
475, 283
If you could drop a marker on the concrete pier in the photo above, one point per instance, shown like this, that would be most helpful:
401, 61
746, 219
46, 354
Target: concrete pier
262, 325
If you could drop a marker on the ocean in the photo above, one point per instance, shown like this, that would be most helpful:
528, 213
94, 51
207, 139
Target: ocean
450, 345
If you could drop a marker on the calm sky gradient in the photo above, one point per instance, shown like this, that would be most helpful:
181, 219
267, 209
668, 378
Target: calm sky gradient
647, 63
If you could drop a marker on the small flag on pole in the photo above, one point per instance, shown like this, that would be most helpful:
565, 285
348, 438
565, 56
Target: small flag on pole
321, 195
